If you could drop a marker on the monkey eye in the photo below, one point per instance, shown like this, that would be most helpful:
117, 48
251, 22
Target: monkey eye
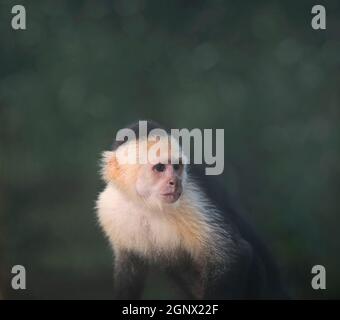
176, 167
159, 167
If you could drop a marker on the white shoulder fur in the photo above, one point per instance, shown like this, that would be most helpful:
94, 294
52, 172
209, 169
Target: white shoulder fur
132, 226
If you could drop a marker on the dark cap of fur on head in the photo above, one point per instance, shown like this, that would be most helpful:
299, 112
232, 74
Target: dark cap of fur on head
135, 128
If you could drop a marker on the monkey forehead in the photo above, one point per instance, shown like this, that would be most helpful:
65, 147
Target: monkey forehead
154, 149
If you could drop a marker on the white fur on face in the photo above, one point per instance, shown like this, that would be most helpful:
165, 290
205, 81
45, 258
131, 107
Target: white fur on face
146, 184
150, 151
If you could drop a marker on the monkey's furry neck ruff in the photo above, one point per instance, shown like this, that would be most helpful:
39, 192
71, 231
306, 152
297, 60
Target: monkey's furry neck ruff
192, 225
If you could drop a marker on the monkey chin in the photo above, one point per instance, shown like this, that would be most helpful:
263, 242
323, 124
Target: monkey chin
171, 197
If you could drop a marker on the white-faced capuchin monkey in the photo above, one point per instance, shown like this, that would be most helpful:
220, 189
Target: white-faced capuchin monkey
167, 215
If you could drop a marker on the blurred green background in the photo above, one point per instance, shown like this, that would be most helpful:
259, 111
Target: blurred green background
83, 69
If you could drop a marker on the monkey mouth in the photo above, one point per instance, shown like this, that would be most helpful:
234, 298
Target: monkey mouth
171, 197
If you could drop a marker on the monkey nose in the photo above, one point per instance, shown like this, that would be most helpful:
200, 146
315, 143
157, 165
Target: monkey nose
172, 183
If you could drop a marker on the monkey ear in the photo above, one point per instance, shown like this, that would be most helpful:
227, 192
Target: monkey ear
110, 166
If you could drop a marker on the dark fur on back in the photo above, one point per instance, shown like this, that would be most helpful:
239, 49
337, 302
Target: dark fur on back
263, 278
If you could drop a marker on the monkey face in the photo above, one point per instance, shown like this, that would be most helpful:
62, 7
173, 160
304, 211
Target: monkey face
161, 182
156, 181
